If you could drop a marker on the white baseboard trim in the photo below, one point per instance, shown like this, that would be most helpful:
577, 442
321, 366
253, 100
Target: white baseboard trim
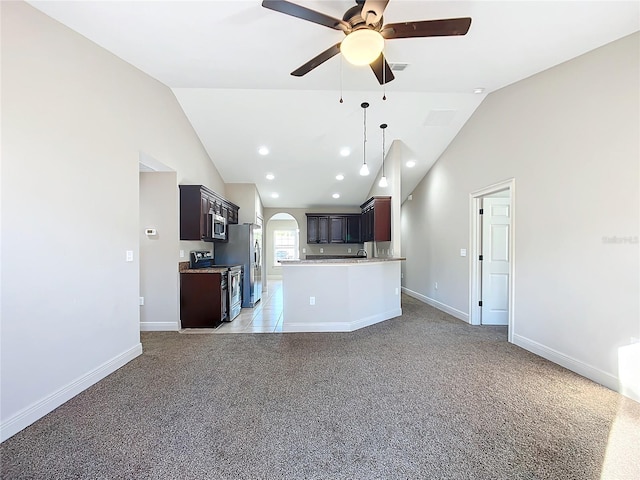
159, 326
460, 315
570, 363
340, 326
37, 410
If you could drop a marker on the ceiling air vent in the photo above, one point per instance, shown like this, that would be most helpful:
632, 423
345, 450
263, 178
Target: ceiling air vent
439, 118
398, 67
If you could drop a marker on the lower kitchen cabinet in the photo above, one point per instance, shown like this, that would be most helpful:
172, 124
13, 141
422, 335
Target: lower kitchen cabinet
203, 299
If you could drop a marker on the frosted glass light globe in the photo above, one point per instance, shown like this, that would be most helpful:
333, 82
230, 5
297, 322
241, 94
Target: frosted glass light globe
362, 47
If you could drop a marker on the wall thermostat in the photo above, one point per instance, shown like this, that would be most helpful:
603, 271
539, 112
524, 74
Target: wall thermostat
150, 231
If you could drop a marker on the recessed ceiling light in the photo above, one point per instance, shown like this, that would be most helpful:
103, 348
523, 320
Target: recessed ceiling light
263, 150
274, 195
270, 176
345, 151
411, 163
336, 195
478, 90
340, 177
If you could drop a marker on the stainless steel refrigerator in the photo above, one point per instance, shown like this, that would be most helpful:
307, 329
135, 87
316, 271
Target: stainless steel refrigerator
244, 247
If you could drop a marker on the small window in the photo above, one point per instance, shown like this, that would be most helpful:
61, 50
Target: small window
285, 245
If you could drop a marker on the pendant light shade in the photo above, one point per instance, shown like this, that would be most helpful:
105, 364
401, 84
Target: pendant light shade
364, 170
383, 180
362, 47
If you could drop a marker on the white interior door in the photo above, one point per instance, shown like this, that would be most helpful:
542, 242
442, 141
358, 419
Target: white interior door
496, 225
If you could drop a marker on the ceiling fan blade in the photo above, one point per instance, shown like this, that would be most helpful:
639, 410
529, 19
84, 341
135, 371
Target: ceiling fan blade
382, 70
317, 60
305, 13
372, 11
427, 28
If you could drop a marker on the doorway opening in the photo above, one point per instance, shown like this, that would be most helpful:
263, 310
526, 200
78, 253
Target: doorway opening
492, 255
282, 242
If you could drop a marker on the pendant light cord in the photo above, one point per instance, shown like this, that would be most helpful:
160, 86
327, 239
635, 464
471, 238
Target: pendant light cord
364, 143
383, 127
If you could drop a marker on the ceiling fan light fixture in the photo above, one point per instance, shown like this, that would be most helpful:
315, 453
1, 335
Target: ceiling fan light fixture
362, 47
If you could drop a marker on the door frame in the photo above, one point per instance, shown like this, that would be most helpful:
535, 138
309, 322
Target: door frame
475, 240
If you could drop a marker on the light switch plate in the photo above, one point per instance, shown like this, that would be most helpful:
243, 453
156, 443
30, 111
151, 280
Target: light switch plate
463, 252
129, 255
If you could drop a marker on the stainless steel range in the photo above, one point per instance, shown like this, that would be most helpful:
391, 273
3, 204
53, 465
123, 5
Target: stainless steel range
204, 259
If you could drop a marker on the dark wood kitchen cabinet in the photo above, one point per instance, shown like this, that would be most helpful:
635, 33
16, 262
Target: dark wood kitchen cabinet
317, 228
376, 219
203, 299
337, 229
196, 203
333, 228
354, 228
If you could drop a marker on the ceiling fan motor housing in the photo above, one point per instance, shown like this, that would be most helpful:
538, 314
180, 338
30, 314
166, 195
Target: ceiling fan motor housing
353, 17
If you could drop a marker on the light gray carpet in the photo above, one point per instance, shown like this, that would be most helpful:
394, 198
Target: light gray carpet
422, 396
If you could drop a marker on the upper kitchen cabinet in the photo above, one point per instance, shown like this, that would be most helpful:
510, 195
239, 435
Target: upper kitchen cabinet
354, 228
198, 206
317, 228
333, 228
376, 219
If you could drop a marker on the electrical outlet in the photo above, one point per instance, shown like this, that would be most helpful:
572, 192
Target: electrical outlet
435, 285
129, 255
348, 250
141, 300
312, 300
304, 250
322, 250
181, 253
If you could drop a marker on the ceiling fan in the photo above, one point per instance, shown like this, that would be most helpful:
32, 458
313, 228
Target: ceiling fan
365, 33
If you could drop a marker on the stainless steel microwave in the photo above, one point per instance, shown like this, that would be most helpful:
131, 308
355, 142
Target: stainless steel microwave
218, 227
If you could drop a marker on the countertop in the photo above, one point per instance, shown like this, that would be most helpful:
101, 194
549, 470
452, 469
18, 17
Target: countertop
183, 267
341, 260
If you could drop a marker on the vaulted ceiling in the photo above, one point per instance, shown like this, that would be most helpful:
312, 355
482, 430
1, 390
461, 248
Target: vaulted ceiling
229, 64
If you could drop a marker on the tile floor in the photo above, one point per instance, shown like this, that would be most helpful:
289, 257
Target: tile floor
265, 317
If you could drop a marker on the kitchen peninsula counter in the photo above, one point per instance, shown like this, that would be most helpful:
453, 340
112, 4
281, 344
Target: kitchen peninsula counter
339, 294
344, 259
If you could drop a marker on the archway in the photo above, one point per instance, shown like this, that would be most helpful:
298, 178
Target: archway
281, 242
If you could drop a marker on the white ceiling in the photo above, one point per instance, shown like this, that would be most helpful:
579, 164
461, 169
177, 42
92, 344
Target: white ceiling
228, 63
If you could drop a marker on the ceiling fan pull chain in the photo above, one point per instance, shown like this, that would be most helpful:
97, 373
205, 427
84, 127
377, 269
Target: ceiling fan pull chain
384, 72
341, 101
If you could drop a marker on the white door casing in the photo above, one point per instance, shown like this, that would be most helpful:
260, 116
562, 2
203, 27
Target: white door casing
496, 234
505, 188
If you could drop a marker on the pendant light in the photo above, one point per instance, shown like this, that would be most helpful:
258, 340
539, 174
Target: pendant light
383, 180
364, 170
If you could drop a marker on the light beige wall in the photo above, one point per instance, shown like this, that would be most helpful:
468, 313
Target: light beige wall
246, 196
74, 121
393, 172
570, 138
159, 253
